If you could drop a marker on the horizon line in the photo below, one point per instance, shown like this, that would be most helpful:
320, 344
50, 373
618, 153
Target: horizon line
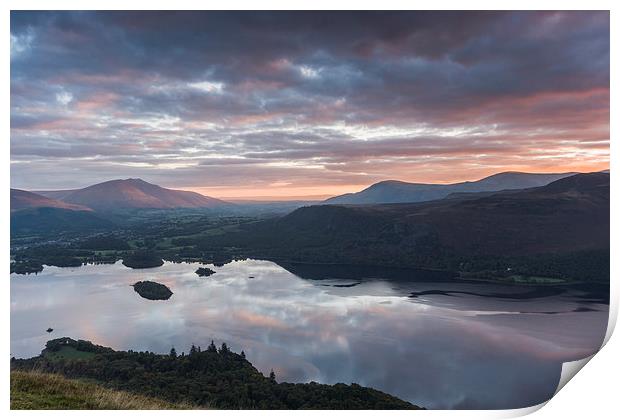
296, 197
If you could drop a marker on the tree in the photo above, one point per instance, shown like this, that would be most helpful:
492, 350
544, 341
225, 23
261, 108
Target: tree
272, 376
224, 349
173, 353
242, 354
193, 349
212, 348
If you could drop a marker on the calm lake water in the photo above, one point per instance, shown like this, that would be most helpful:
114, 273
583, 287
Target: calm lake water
421, 336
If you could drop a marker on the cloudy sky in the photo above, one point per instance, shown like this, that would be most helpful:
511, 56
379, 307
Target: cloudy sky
304, 104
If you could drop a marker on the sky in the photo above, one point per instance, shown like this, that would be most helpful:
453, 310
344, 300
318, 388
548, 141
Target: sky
304, 104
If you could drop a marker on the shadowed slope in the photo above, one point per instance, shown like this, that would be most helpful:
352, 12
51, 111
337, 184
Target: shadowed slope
558, 230
567, 215
47, 220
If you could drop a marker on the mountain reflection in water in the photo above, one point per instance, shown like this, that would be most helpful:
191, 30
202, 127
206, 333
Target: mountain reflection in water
422, 336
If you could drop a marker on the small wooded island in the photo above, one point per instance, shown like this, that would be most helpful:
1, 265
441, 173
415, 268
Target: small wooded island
142, 260
204, 272
152, 290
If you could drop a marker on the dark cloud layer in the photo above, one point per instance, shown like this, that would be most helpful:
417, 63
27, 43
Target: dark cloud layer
225, 100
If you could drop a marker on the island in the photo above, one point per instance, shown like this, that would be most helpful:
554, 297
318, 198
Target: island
152, 290
204, 272
142, 260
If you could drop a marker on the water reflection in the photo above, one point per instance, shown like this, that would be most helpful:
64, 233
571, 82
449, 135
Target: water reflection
422, 336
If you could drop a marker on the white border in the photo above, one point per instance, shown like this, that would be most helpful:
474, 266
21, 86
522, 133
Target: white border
592, 395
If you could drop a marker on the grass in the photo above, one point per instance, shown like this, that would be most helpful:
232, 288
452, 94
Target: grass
32, 390
70, 353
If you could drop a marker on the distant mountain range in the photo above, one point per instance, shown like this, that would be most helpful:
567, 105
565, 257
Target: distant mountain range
123, 194
406, 192
131, 194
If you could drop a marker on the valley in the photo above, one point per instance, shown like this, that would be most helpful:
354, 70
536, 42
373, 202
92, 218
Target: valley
257, 276
559, 231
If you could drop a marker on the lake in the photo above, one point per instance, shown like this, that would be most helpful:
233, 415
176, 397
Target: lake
422, 336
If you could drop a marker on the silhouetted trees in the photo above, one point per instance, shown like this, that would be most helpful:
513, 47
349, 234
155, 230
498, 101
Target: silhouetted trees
206, 378
152, 290
142, 259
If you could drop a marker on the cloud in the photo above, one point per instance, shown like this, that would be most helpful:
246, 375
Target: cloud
21, 43
339, 97
64, 98
206, 86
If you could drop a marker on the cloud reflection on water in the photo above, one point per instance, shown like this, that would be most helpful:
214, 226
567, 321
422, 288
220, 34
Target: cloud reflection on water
462, 351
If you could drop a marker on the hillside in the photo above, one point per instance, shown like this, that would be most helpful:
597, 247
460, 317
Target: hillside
34, 390
405, 192
21, 199
133, 194
215, 378
47, 220
54, 194
571, 214
558, 230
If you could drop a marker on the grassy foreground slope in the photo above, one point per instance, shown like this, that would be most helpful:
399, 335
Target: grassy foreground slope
34, 390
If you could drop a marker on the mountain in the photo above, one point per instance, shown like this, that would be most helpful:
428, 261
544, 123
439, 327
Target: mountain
568, 215
405, 192
560, 230
133, 194
21, 199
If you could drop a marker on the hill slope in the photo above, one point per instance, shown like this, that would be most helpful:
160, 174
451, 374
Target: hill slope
21, 199
133, 194
33, 390
47, 220
216, 378
561, 229
405, 192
